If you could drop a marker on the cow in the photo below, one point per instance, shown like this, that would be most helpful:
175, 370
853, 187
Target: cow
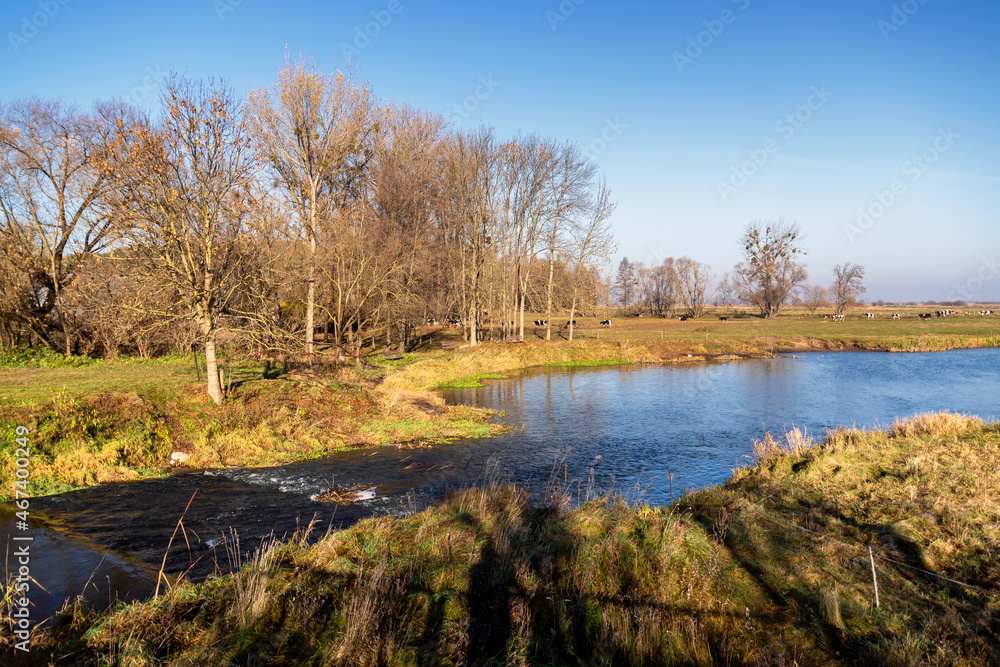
723, 319
895, 316
837, 317
431, 322
683, 318
540, 323
870, 316
605, 323
924, 316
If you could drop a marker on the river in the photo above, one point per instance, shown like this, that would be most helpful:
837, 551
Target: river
650, 432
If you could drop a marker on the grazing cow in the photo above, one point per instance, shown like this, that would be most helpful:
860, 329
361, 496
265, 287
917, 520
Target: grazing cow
837, 317
723, 319
870, 316
540, 323
895, 316
605, 323
431, 322
683, 318
924, 316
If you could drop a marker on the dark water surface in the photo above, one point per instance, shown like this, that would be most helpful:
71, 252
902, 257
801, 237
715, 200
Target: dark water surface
697, 422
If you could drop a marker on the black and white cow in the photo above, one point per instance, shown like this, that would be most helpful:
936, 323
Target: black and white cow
870, 316
683, 318
723, 319
605, 323
540, 323
895, 316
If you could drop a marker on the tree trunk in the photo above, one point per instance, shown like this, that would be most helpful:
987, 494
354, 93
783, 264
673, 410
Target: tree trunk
572, 314
311, 301
212, 364
548, 307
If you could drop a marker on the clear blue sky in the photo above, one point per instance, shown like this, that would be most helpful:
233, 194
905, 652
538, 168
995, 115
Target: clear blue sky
694, 98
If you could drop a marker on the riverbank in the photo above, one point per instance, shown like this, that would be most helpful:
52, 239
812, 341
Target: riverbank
771, 568
95, 421
108, 421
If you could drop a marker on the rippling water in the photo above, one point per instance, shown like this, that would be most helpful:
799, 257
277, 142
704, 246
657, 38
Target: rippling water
645, 423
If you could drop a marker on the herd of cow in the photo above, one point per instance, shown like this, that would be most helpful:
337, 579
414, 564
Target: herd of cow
430, 321
923, 316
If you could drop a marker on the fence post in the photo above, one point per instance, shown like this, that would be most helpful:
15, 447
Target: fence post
874, 577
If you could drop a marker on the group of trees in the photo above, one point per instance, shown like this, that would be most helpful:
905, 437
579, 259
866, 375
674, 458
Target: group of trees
681, 283
769, 277
312, 207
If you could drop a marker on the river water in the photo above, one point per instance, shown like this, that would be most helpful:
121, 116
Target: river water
651, 432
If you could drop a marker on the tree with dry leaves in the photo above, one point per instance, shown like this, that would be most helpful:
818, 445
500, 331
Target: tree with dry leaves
52, 212
314, 132
183, 182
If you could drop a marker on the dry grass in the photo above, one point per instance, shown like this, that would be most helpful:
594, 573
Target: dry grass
727, 576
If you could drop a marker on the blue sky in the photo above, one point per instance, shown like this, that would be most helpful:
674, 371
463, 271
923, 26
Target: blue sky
873, 124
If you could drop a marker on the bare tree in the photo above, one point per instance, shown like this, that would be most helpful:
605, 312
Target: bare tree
625, 282
725, 291
693, 280
184, 183
314, 132
847, 286
568, 192
51, 212
814, 297
769, 274
592, 241
469, 188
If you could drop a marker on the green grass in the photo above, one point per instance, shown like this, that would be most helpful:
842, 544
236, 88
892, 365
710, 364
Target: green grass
591, 362
471, 381
729, 575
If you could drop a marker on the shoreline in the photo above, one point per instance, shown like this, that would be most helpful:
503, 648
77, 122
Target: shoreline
403, 406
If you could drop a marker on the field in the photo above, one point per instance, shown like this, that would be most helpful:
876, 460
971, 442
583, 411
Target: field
794, 330
773, 568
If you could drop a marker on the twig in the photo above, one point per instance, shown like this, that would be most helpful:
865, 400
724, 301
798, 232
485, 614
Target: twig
159, 575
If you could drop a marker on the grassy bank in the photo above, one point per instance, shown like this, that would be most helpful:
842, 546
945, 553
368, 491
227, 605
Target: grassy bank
107, 421
770, 569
